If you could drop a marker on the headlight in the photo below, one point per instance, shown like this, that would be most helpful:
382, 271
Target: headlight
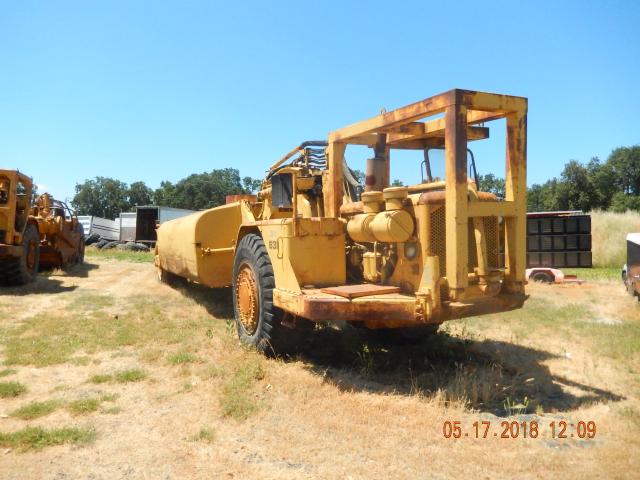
410, 250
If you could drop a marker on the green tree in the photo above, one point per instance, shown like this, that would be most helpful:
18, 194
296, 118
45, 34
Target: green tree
103, 197
251, 185
202, 190
621, 202
164, 194
140, 194
625, 166
575, 190
491, 183
543, 198
602, 180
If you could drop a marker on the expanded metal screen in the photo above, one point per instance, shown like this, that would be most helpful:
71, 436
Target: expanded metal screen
439, 243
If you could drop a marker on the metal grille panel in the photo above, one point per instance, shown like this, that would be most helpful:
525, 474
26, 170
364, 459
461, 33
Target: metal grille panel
438, 239
439, 244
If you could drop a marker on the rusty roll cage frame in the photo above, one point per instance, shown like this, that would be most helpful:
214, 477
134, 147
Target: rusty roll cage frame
462, 111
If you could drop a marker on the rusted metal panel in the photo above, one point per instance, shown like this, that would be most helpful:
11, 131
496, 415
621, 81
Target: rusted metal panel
456, 199
362, 290
403, 115
320, 307
516, 191
333, 187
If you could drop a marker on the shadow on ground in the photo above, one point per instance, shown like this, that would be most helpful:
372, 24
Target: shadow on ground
217, 301
486, 373
78, 271
47, 284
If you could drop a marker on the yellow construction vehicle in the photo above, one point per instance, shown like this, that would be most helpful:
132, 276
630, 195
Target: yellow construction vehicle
310, 248
61, 233
19, 238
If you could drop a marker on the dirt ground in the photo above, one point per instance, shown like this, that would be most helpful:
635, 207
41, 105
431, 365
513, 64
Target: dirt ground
346, 407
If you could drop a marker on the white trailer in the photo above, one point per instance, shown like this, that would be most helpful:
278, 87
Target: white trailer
107, 229
147, 217
127, 223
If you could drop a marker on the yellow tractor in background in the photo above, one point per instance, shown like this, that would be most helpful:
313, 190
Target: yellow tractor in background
310, 248
61, 233
34, 234
19, 238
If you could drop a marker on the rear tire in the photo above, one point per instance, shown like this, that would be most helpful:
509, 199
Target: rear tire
542, 277
18, 271
257, 320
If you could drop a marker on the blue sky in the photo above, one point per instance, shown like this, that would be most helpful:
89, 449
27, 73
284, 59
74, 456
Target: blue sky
157, 90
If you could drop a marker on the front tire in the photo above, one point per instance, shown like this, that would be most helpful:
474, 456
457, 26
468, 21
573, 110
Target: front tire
257, 320
25, 268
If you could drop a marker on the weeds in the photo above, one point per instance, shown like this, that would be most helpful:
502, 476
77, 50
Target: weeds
112, 410
205, 434
100, 378
366, 359
36, 438
512, 408
236, 399
182, 358
36, 409
123, 376
11, 389
7, 371
120, 255
84, 406
131, 375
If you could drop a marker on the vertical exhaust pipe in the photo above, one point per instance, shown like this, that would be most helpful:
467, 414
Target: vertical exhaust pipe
377, 171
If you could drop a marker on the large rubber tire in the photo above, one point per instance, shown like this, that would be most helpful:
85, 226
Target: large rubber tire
18, 271
542, 277
257, 320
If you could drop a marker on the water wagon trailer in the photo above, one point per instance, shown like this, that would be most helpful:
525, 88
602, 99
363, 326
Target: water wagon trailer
311, 247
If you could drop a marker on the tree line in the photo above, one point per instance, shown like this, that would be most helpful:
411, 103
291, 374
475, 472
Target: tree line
610, 185
107, 197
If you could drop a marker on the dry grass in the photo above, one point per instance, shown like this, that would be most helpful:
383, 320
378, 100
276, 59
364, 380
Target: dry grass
237, 398
608, 233
89, 325
572, 353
